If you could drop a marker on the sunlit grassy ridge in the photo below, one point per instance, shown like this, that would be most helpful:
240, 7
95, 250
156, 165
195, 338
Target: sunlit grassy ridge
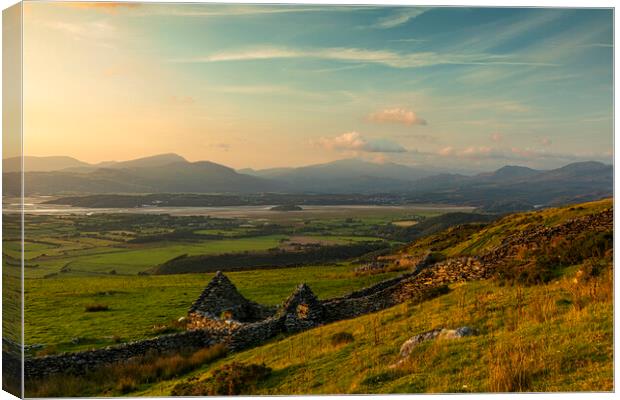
554, 337
475, 241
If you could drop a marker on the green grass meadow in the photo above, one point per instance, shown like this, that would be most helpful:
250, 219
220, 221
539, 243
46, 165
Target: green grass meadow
56, 307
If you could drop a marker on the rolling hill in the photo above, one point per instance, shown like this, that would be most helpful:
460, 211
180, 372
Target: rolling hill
44, 164
510, 188
166, 173
345, 176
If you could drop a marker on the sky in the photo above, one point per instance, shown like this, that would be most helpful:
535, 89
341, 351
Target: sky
272, 86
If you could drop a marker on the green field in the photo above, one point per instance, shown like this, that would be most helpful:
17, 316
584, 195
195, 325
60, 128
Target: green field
102, 243
55, 311
133, 259
76, 260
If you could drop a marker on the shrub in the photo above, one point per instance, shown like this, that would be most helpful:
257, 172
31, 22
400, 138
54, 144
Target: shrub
126, 384
341, 338
230, 379
96, 307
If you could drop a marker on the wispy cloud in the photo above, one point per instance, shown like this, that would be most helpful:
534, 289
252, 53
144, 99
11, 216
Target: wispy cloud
98, 32
268, 89
400, 17
107, 7
398, 116
599, 45
383, 57
489, 36
221, 146
409, 40
353, 141
512, 154
215, 10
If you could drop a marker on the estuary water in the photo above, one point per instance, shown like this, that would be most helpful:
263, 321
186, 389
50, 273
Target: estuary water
35, 205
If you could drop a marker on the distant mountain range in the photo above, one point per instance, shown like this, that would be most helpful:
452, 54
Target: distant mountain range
156, 174
70, 164
343, 176
510, 186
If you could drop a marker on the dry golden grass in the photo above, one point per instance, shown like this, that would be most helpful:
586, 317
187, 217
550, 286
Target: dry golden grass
551, 337
124, 377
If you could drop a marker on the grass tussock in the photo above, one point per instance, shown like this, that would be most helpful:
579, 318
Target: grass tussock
124, 377
341, 338
510, 367
96, 307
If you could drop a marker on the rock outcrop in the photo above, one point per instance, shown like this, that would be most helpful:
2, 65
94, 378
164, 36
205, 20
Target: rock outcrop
411, 343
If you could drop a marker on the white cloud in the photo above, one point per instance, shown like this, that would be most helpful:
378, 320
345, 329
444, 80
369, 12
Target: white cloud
397, 115
353, 141
446, 151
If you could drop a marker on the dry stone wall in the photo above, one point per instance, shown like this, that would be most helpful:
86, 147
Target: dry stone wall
533, 237
79, 362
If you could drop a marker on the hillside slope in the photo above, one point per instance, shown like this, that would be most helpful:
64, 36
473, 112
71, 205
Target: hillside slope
540, 307
554, 335
541, 338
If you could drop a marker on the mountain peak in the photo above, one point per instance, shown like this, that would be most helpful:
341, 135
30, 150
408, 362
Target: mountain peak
514, 171
41, 164
151, 161
584, 166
